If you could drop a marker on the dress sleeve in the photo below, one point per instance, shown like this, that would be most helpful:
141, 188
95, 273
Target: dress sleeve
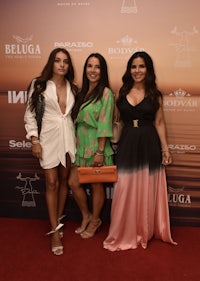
29, 118
104, 127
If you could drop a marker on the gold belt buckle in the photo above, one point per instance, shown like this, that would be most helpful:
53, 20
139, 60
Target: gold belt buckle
135, 123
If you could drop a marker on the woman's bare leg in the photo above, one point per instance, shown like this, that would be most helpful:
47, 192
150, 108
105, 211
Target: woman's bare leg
63, 174
80, 197
52, 186
98, 198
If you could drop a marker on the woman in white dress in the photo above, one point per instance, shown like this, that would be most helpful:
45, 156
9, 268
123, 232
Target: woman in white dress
50, 128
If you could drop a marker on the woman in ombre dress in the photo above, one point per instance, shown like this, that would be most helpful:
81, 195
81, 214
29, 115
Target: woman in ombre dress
140, 206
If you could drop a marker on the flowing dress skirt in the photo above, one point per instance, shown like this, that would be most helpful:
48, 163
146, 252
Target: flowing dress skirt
140, 202
139, 214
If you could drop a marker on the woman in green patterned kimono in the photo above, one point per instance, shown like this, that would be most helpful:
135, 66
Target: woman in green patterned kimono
93, 113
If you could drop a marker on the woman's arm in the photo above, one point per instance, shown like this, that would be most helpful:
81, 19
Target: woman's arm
29, 117
104, 125
116, 114
161, 130
32, 129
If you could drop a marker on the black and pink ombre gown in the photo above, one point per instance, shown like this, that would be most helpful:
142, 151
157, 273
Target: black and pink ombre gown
140, 206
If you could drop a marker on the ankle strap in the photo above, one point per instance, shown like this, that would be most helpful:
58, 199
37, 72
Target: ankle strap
56, 229
62, 217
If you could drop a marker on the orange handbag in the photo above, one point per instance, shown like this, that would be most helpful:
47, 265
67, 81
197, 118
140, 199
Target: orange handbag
97, 174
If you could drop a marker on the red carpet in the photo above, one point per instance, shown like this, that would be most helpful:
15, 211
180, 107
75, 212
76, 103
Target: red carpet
25, 256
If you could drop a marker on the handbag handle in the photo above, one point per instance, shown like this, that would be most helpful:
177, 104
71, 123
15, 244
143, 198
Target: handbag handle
116, 115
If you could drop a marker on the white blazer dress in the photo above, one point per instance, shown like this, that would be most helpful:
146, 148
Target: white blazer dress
57, 136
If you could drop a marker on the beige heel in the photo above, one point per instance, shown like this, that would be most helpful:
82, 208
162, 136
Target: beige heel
92, 228
84, 225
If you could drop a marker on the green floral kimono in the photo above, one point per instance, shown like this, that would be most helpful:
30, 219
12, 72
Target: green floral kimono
94, 121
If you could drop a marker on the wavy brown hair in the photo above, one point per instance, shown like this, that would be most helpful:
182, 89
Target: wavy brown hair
151, 89
97, 92
47, 73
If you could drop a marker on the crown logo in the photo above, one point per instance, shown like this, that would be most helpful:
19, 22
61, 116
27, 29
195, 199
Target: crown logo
126, 40
180, 93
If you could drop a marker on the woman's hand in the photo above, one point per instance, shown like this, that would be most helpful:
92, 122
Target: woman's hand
37, 150
166, 158
98, 160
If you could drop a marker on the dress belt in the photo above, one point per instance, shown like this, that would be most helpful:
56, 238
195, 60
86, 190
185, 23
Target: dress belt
136, 123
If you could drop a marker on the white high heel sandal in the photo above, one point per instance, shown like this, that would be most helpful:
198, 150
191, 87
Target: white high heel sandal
57, 250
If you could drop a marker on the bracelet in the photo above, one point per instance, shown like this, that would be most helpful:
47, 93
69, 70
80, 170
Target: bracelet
35, 142
99, 154
99, 151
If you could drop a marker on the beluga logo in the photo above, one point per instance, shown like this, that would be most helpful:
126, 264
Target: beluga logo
22, 48
21, 40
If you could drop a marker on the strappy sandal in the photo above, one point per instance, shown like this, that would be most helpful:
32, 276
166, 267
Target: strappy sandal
84, 225
92, 228
57, 250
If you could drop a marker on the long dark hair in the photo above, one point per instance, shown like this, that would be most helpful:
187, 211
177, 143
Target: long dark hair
97, 92
150, 79
47, 73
